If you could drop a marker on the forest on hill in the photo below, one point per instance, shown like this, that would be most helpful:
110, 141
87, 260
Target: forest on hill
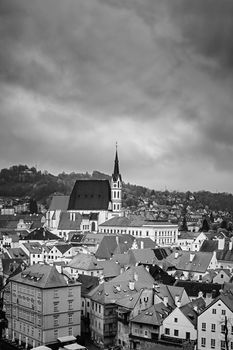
22, 181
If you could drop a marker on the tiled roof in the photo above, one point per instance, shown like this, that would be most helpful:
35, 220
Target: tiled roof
189, 313
33, 248
154, 315
15, 253
86, 262
65, 223
121, 259
41, 276
129, 301
77, 238
226, 298
110, 268
9, 266
193, 288
41, 234
171, 292
120, 221
59, 202
63, 248
161, 253
221, 254
110, 292
90, 195
143, 256
188, 235
146, 242
160, 275
113, 244
138, 274
88, 283
199, 263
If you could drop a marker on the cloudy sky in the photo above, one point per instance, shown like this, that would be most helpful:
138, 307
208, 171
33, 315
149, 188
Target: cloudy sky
154, 75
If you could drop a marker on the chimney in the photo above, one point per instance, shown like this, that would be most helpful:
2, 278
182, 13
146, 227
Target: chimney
177, 298
118, 288
195, 308
117, 240
131, 285
176, 255
135, 276
147, 268
230, 245
221, 243
191, 257
142, 245
165, 300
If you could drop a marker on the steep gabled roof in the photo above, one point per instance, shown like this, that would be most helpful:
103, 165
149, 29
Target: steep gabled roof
110, 245
182, 262
154, 315
41, 234
17, 253
90, 195
65, 223
143, 256
138, 274
226, 298
110, 268
59, 202
86, 262
63, 248
41, 276
88, 283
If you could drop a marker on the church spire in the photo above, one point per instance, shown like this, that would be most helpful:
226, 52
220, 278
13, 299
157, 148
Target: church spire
116, 187
116, 172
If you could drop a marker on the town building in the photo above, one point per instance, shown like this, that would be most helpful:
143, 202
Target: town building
41, 305
162, 233
215, 324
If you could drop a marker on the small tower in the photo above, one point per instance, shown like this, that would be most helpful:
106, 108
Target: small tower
116, 187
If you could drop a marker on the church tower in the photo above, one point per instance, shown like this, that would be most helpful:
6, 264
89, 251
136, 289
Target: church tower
116, 187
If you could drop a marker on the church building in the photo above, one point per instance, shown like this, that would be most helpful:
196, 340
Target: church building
90, 203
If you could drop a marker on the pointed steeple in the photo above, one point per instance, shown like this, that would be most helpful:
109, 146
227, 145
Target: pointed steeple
116, 172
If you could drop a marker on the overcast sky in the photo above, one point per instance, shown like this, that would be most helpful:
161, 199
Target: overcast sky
154, 75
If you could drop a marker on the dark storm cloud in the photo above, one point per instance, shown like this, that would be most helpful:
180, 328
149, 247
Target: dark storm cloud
156, 75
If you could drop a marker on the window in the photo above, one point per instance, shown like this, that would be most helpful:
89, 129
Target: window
223, 312
70, 304
222, 345
55, 304
56, 321
176, 333
214, 311
175, 319
231, 329
203, 342
212, 343
222, 328
70, 318
167, 331
203, 326
213, 327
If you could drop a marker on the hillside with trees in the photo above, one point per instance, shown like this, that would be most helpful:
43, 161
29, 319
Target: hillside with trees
21, 181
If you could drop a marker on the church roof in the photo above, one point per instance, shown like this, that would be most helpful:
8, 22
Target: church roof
59, 202
90, 195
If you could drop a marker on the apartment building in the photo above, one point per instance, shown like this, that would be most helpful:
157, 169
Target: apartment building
41, 305
215, 324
